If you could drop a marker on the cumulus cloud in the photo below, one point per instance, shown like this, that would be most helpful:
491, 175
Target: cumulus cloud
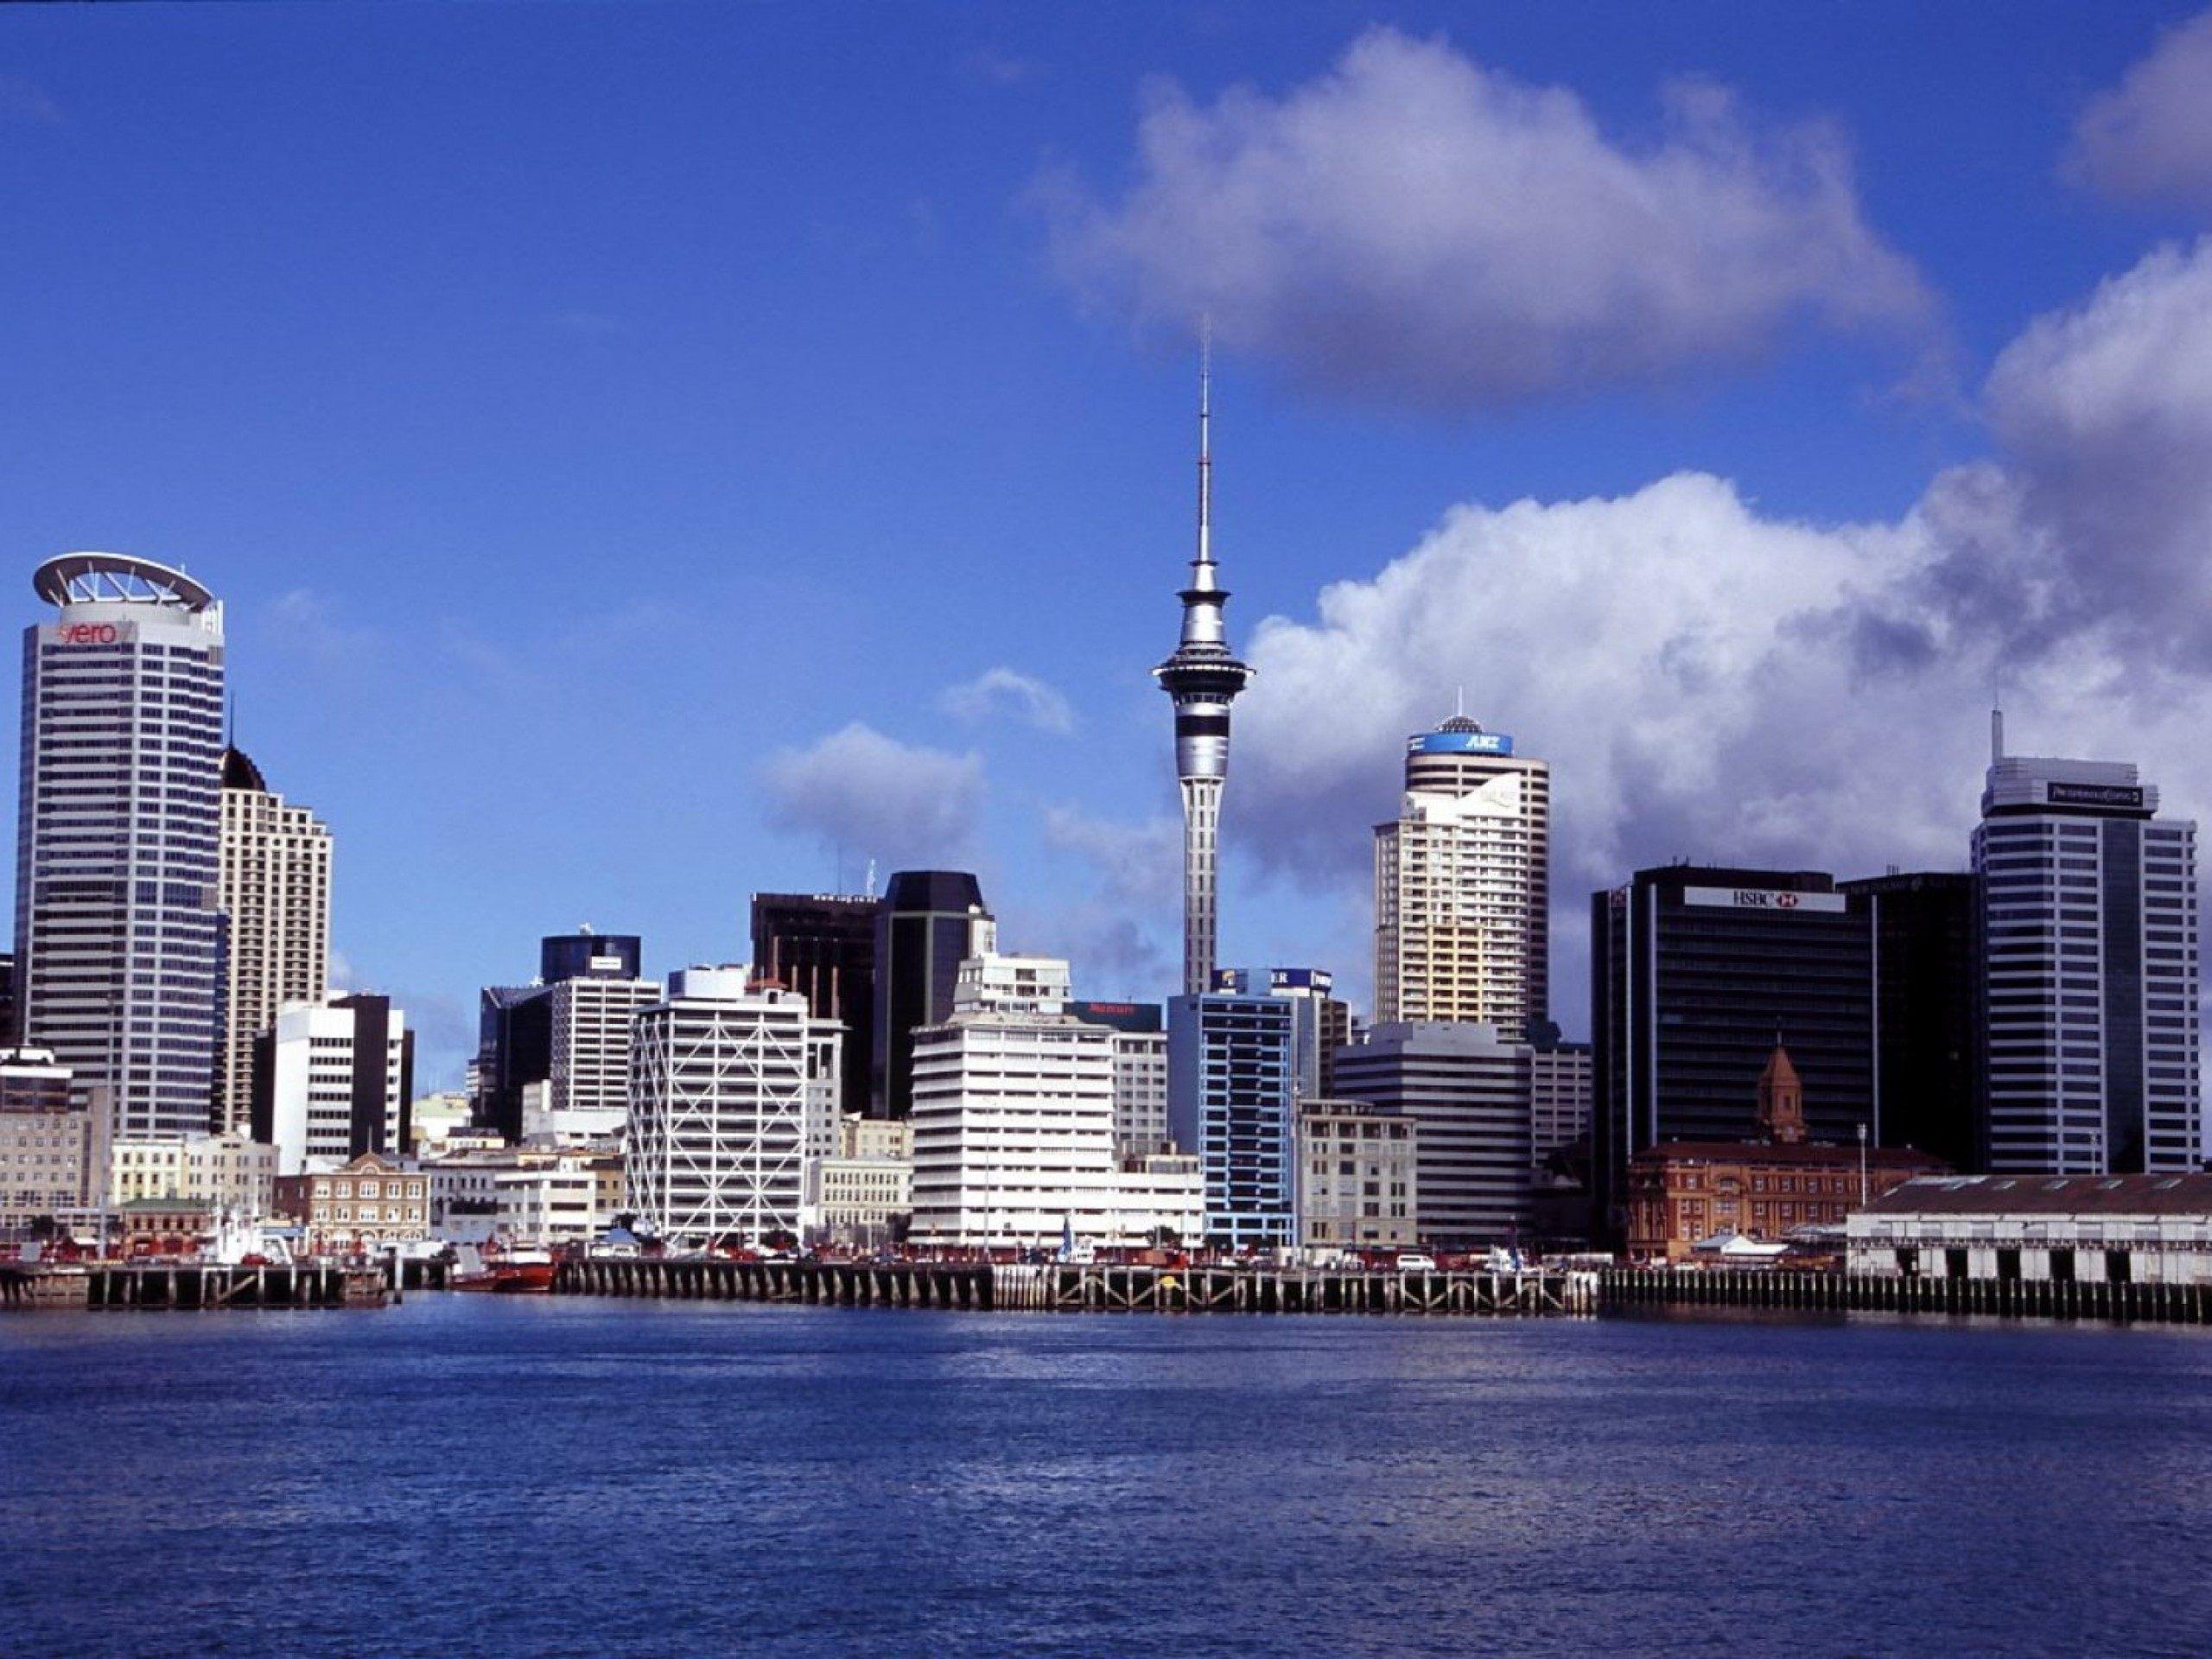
2150, 138
1139, 865
1715, 682
904, 802
1416, 227
998, 691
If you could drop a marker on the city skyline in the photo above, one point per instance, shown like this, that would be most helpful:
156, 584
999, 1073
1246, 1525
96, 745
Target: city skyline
1800, 681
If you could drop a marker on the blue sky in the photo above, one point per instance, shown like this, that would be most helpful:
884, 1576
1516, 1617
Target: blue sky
584, 411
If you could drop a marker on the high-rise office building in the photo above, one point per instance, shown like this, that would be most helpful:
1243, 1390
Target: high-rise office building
1463, 884
823, 946
1696, 974
1232, 1095
275, 896
587, 1074
727, 1084
1139, 1073
514, 1032
1203, 679
2090, 939
1559, 1097
1320, 1023
1014, 1136
118, 933
333, 1081
930, 922
1927, 1084
1466, 1089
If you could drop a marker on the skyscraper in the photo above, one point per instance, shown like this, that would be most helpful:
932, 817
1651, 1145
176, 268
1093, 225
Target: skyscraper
275, 896
333, 1081
515, 1023
1695, 974
117, 869
1927, 966
2089, 929
1463, 884
1203, 679
823, 946
931, 921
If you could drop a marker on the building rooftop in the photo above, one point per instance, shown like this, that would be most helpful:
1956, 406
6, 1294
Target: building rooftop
2050, 1195
1770, 1152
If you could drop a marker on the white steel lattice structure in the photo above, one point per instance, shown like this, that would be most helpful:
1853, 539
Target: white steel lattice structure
727, 1084
1203, 679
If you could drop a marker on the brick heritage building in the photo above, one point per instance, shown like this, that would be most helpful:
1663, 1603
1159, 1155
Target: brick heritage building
1680, 1192
371, 1201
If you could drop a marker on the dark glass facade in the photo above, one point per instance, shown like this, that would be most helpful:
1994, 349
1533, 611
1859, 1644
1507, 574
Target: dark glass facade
514, 1048
1696, 974
1122, 1016
1927, 966
823, 946
926, 928
585, 956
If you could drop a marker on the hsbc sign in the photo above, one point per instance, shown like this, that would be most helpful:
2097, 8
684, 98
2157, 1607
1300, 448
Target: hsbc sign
1765, 899
88, 634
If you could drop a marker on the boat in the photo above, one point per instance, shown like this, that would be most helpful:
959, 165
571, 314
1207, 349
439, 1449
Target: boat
512, 1272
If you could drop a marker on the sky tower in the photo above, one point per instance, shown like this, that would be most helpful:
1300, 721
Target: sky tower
1203, 679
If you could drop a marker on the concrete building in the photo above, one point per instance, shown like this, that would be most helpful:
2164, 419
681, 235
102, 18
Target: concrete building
2145, 1229
1140, 1073
118, 934
434, 1119
729, 1082
1558, 1097
334, 1082
823, 946
228, 1174
53, 1150
1013, 1124
1232, 1093
587, 1085
1768, 1187
2090, 922
567, 1197
1466, 1090
368, 1201
275, 898
1358, 1177
1463, 884
931, 921
515, 1045
1203, 679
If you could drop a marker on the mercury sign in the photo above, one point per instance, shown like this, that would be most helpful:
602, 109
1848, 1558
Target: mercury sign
1765, 899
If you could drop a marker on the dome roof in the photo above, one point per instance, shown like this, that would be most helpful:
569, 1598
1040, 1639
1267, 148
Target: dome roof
1459, 723
240, 772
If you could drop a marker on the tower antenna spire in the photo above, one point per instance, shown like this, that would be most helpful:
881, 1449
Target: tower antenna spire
1996, 719
1205, 560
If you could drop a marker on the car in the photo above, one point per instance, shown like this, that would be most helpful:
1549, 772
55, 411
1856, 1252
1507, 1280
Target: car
1414, 1262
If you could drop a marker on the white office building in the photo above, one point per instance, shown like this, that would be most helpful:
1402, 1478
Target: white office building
1014, 1127
728, 1083
1141, 1093
1466, 1090
2091, 971
275, 896
1463, 884
117, 927
340, 1079
587, 1092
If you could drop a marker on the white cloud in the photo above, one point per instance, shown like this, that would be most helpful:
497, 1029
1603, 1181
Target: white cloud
2150, 138
1009, 691
1139, 865
1713, 681
306, 622
1416, 227
903, 803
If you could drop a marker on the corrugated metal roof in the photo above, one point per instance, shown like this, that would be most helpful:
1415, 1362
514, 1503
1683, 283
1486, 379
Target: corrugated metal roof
2049, 1195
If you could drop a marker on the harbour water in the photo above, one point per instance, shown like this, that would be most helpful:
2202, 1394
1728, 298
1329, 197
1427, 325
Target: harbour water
492, 1476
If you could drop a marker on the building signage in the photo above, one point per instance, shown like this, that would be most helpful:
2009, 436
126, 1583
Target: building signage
88, 634
1459, 743
1765, 899
2129, 795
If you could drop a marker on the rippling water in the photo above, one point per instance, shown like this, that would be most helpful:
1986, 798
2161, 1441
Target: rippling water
488, 1476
